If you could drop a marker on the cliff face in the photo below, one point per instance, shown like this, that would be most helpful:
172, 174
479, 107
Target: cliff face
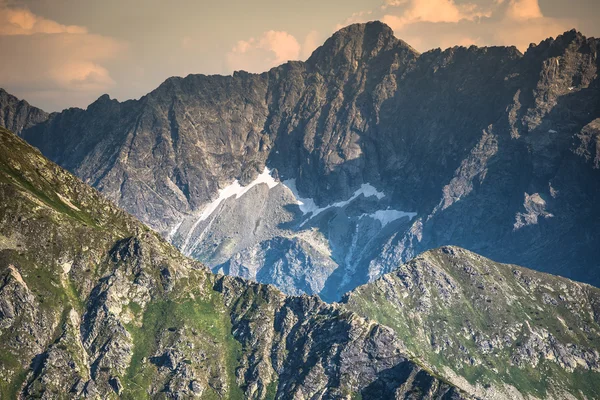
93, 304
17, 115
374, 154
495, 330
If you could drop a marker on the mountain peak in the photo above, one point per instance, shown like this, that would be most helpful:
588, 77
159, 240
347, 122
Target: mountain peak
5, 95
102, 101
372, 28
355, 42
554, 47
17, 114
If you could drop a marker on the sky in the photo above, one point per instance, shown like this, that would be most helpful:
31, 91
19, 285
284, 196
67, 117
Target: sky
66, 53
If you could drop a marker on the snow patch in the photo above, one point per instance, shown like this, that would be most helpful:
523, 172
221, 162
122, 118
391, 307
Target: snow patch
173, 231
387, 216
234, 189
237, 190
308, 205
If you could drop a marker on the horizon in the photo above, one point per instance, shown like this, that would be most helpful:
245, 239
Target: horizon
77, 52
232, 73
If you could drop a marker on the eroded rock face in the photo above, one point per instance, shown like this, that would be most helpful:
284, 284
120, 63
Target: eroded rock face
17, 115
468, 143
93, 304
493, 329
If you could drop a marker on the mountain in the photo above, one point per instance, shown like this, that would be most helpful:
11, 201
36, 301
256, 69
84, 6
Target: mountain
17, 115
495, 330
93, 304
322, 175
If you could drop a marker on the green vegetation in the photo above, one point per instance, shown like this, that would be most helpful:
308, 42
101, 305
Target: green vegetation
464, 310
272, 390
204, 321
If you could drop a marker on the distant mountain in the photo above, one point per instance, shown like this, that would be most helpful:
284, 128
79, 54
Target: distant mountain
497, 331
95, 305
322, 175
17, 115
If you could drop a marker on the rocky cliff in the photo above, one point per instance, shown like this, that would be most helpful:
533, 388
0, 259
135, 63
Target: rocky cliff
495, 330
319, 176
94, 304
17, 115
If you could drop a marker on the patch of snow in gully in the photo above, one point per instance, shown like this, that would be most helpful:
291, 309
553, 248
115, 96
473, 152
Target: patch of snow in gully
387, 216
307, 205
174, 230
234, 189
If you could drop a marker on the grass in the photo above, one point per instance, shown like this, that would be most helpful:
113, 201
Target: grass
272, 390
202, 320
488, 312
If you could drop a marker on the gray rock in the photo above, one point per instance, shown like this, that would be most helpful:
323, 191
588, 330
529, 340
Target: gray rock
496, 151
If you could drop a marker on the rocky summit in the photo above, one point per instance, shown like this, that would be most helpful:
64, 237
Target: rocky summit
93, 304
320, 176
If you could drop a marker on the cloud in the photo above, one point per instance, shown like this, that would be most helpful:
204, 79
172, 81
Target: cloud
523, 10
357, 17
393, 3
432, 11
503, 22
523, 23
311, 42
52, 64
20, 21
522, 33
271, 49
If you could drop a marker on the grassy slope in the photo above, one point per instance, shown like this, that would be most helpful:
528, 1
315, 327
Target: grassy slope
496, 301
48, 216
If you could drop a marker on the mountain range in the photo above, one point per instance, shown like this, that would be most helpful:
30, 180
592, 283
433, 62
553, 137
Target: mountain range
371, 153
323, 175
93, 304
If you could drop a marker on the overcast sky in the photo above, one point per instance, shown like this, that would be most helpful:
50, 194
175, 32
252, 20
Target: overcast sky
65, 53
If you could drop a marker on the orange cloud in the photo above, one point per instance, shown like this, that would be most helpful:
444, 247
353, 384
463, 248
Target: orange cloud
311, 42
522, 10
357, 17
524, 23
20, 21
432, 11
522, 34
505, 22
260, 54
49, 57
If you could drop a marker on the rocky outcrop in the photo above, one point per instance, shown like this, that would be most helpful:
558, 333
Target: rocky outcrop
485, 148
17, 115
495, 330
95, 305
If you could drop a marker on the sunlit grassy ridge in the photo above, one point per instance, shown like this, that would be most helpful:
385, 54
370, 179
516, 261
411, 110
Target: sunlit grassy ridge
491, 323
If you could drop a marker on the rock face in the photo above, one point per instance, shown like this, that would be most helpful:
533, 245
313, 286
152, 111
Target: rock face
495, 330
17, 115
94, 304
377, 153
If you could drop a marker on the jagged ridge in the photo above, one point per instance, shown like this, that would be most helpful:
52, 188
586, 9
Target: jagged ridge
493, 149
496, 330
95, 305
